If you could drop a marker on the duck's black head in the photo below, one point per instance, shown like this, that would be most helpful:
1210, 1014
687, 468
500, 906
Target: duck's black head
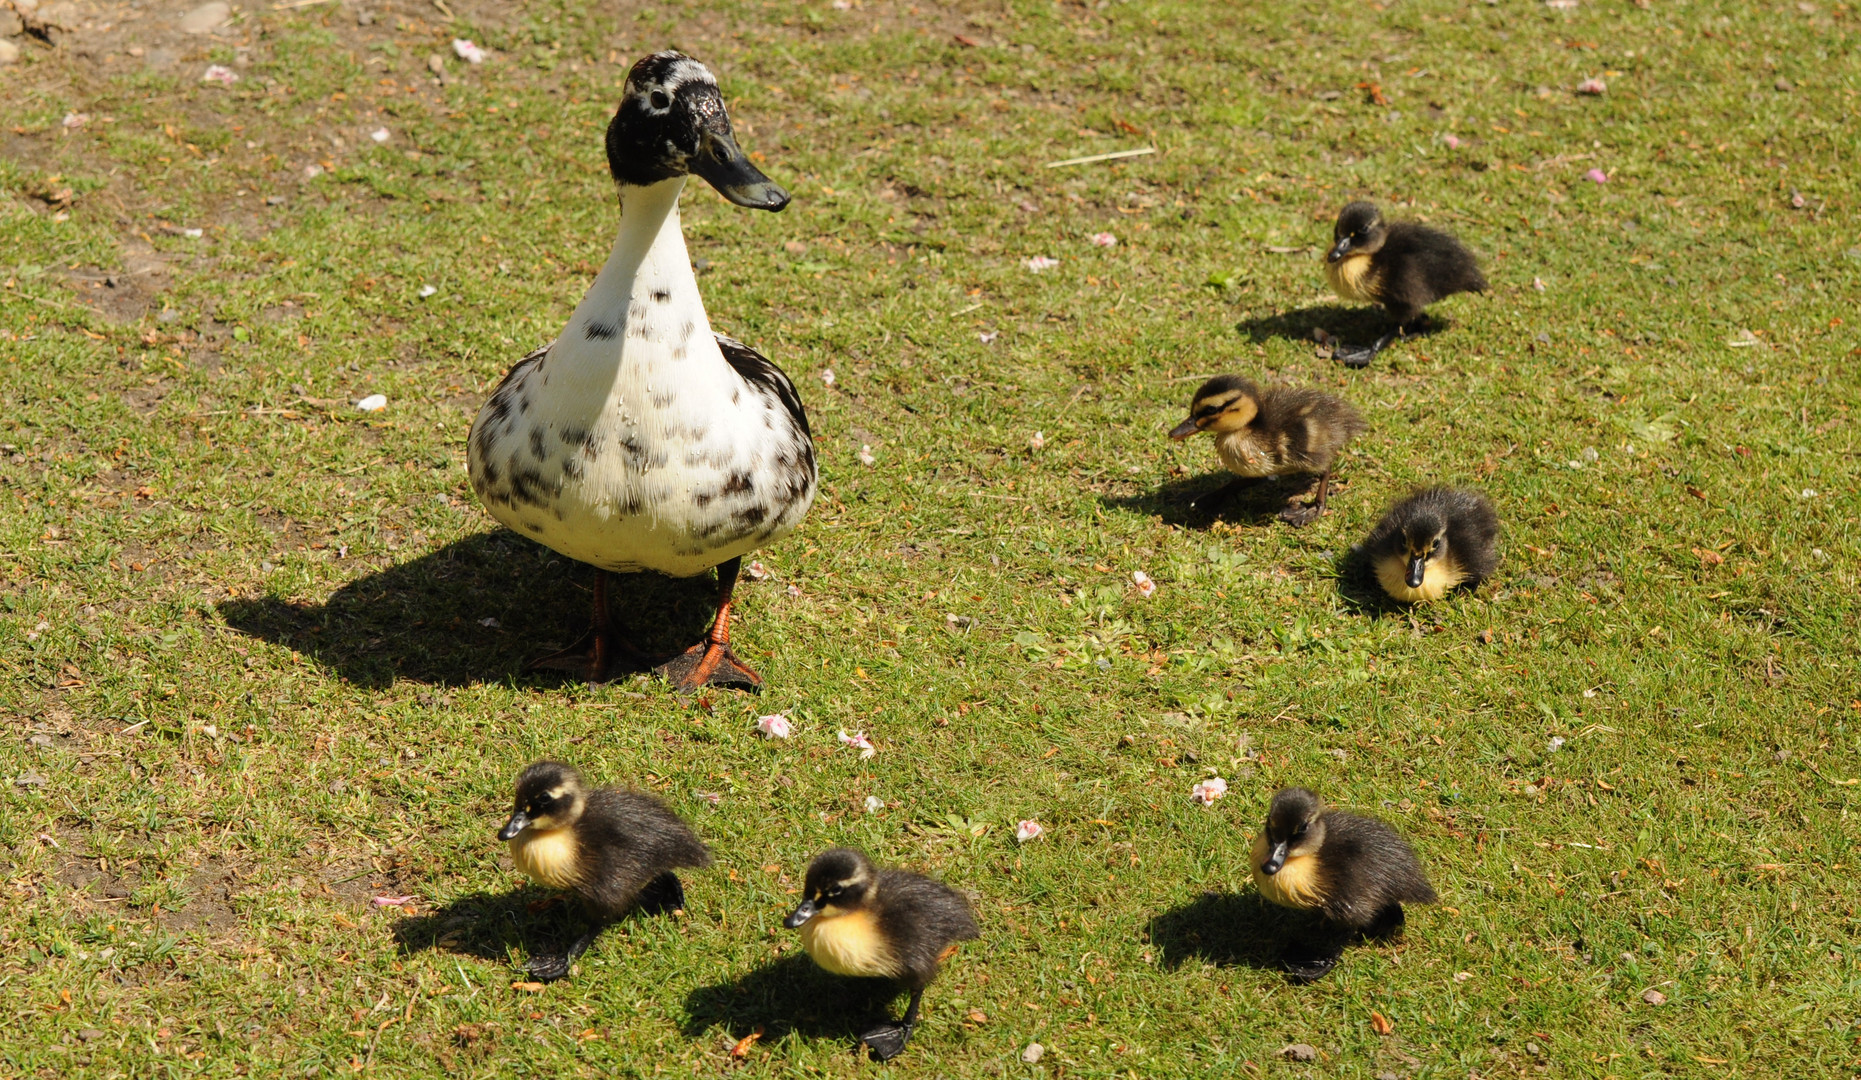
1424, 538
839, 880
1359, 231
671, 122
549, 796
1295, 828
1224, 403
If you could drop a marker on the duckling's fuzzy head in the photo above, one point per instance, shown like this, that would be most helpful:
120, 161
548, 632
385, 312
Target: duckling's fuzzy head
1424, 539
1295, 828
1359, 231
550, 796
1225, 403
671, 122
839, 880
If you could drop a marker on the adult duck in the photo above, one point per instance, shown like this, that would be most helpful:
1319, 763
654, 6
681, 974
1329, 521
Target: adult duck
639, 440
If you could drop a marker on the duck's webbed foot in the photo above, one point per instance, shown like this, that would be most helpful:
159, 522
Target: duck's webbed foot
1298, 514
1359, 356
1308, 962
663, 895
551, 968
887, 1041
600, 655
710, 662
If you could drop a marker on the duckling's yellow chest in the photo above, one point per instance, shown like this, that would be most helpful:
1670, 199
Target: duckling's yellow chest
548, 858
1353, 278
1439, 577
849, 943
1296, 885
1247, 453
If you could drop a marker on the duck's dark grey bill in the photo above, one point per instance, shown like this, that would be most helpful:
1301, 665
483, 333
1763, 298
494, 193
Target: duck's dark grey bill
1339, 250
723, 164
1275, 860
801, 914
1183, 430
1418, 570
518, 822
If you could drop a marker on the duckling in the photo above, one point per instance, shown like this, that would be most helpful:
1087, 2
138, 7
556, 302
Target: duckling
1356, 871
858, 920
1279, 431
639, 440
614, 849
1436, 540
1402, 266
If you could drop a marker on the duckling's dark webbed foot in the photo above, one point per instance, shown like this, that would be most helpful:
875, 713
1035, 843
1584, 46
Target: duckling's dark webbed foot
551, 968
1298, 514
887, 1041
1359, 356
1307, 963
662, 895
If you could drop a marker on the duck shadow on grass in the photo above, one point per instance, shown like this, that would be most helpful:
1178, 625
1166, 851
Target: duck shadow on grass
492, 926
1224, 929
423, 619
1257, 504
1355, 324
791, 994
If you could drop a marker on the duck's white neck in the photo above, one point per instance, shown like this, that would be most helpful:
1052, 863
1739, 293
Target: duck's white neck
644, 307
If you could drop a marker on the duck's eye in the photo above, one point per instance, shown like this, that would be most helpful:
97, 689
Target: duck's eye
660, 100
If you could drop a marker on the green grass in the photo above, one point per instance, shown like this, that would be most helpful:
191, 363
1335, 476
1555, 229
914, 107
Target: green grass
243, 646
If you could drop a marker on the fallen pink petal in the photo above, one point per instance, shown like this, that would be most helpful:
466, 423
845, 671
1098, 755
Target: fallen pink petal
827, 377
392, 901
1592, 86
1041, 262
1597, 175
874, 804
1103, 239
76, 120
1028, 830
1453, 141
1145, 586
712, 797
1207, 791
860, 742
467, 51
757, 571
988, 336
220, 73
1037, 443
794, 590
773, 726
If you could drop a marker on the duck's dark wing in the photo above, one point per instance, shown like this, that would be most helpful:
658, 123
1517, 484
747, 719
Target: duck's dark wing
756, 369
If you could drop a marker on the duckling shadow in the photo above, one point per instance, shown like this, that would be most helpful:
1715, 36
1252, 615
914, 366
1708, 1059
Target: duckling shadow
497, 927
790, 994
1358, 325
1225, 929
426, 619
1176, 502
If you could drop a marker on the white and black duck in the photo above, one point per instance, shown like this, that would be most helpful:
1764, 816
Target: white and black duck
639, 439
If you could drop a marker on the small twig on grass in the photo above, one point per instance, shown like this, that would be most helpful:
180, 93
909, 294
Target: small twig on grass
1093, 158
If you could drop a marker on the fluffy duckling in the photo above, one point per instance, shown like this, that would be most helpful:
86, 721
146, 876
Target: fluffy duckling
1356, 871
858, 920
1401, 266
614, 849
1436, 540
1279, 431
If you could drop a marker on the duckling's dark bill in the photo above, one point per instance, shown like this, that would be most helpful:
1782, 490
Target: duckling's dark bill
803, 912
518, 822
724, 165
1183, 430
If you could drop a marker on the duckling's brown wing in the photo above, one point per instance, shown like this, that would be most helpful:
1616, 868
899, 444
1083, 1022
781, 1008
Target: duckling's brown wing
922, 919
1308, 426
1422, 265
632, 838
1472, 533
1368, 866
